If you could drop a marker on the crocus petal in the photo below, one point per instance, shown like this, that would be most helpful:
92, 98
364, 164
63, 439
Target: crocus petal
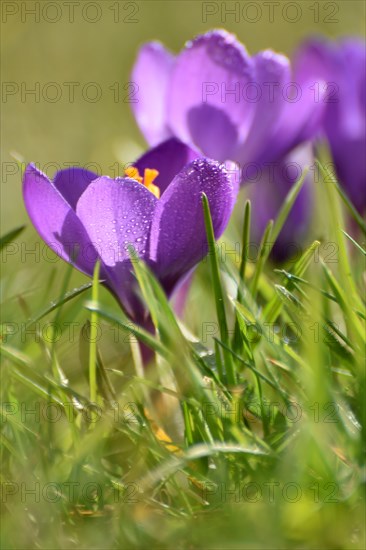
272, 74
342, 66
300, 120
168, 158
345, 128
178, 237
116, 213
207, 102
181, 291
268, 193
352, 94
313, 61
72, 183
150, 75
56, 222
350, 163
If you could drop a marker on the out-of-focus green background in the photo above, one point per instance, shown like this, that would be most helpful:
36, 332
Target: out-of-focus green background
74, 49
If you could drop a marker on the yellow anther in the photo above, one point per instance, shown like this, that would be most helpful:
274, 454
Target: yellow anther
149, 176
132, 172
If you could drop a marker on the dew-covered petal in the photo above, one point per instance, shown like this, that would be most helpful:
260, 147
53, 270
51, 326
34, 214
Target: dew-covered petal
56, 222
178, 237
168, 158
116, 213
150, 77
208, 94
72, 183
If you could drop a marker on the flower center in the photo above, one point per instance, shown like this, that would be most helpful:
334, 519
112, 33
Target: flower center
149, 176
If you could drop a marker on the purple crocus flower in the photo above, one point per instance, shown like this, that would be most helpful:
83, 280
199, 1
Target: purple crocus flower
343, 66
157, 209
215, 97
267, 193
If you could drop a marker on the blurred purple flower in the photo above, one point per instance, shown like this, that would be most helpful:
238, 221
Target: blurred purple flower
343, 66
83, 217
267, 194
215, 97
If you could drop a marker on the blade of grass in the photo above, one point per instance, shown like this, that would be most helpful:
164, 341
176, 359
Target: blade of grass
329, 177
243, 263
218, 293
354, 323
275, 230
245, 245
362, 250
11, 236
336, 227
93, 338
142, 335
273, 308
287, 206
54, 305
264, 250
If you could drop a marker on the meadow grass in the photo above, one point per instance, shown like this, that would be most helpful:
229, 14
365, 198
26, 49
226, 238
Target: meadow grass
247, 431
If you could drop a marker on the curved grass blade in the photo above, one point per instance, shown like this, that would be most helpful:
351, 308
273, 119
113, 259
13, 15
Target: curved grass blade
11, 236
287, 206
54, 305
219, 296
328, 176
245, 245
93, 337
362, 250
336, 225
177, 462
264, 251
141, 334
273, 308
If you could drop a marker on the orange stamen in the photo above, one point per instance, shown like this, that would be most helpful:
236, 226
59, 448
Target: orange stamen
149, 176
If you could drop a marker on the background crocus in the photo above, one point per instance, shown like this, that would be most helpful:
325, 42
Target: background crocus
216, 97
83, 217
267, 193
343, 66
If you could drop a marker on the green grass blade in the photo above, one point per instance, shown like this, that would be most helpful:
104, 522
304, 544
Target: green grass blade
245, 245
362, 250
264, 250
336, 223
273, 308
142, 335
54, 305
93, 337
218, 292
11, 236
287, 206
329, 178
